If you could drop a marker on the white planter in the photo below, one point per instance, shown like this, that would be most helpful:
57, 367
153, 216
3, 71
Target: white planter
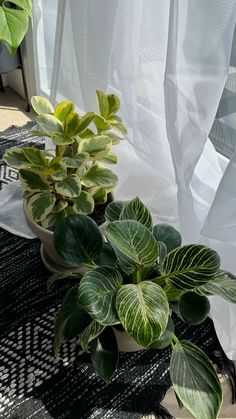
49, 255
125, 342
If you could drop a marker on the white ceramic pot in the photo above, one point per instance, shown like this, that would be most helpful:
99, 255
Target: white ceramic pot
125, 342
49, 255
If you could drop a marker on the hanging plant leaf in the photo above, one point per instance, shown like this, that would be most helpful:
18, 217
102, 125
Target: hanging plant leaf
168, 235
195, 381
70, 321
41, 105
97, 294
224, 286
143, 310
104, 354
40, 205
193, 308
136, 210
78, 240
91, 332
134, 245
70, 186
114, 209
190, 266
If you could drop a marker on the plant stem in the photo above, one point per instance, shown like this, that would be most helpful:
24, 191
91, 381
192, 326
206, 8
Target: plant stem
137, 276
174, 341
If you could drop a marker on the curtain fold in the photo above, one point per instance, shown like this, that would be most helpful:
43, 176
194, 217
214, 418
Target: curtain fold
168, 61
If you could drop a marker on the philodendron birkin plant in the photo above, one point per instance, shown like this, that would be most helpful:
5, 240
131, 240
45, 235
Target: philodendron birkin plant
130, 282
73, 177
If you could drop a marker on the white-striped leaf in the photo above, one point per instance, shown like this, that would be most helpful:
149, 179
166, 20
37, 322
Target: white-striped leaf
84, 203
16, 158
143, 310
97, 146
91, 332
99, 175
63, 109
41, 105
224, 286
190, 266
35, 156
195, 381
168, 235
133, 244
97, 294
136, 210
49, 123
70, 186
114, 209
103, 104
32, 180
40, 205
78, 240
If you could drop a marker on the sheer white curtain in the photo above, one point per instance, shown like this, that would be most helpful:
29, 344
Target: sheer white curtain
168, 61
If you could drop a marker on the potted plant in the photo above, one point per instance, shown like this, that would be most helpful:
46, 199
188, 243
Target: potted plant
73, 177
128, 285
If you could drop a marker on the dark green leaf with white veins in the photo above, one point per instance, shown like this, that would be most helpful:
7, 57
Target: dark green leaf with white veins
224, 286
84, 203
114, 209
40, 205
70, 186
190, 266
143, 310
195, 381
32, 180
97, 294
193, 308
99, 175
104, 354
166, 338
16, 158
91, 332
168, 235
136, 210
78, 240
71, 319
133, 244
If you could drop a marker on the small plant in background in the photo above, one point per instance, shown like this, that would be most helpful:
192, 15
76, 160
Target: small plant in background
74, 177
131, 281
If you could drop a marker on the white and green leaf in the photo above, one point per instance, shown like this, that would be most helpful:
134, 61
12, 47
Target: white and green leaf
70, 186
32, 180
97, 147
63, 109
50, 124
40, 205
136, 210
15, 157
103, 104
91, 332
114, 103
224, 286
35, 156
99, 175
113, 210
41, 105
84, 203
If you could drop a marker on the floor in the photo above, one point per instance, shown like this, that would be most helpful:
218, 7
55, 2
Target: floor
12, 112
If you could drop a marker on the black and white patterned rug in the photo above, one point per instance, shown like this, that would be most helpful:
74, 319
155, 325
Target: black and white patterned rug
33, 384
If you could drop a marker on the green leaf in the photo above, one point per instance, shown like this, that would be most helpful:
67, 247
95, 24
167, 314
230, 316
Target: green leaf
143, 310
91, 332
193, 308
13, 23
40, 205
107, 256
76, 162
72, 124
97, 146
110, 158
190, 266
41, 105
114, 103
63, 109
85, 121
114, 209
33, 181
87, 133
195, 381
70, 321
104, 354
50, 124
35, 156
61, 139
16, 158
78, 240
70, 186
166, 338
53, 220
103, 104
100, 195
57, 276
114, 137
168, 235
97, 294
56, 165
84, 203
117, 124
134, 245
224, 286
99, 175
136, 210
162, 252
101, 123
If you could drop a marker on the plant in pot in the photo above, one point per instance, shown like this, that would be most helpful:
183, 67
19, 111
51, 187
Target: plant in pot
72, 177
127, 287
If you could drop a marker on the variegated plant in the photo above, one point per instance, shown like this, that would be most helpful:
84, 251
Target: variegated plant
73, 177
131, 281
